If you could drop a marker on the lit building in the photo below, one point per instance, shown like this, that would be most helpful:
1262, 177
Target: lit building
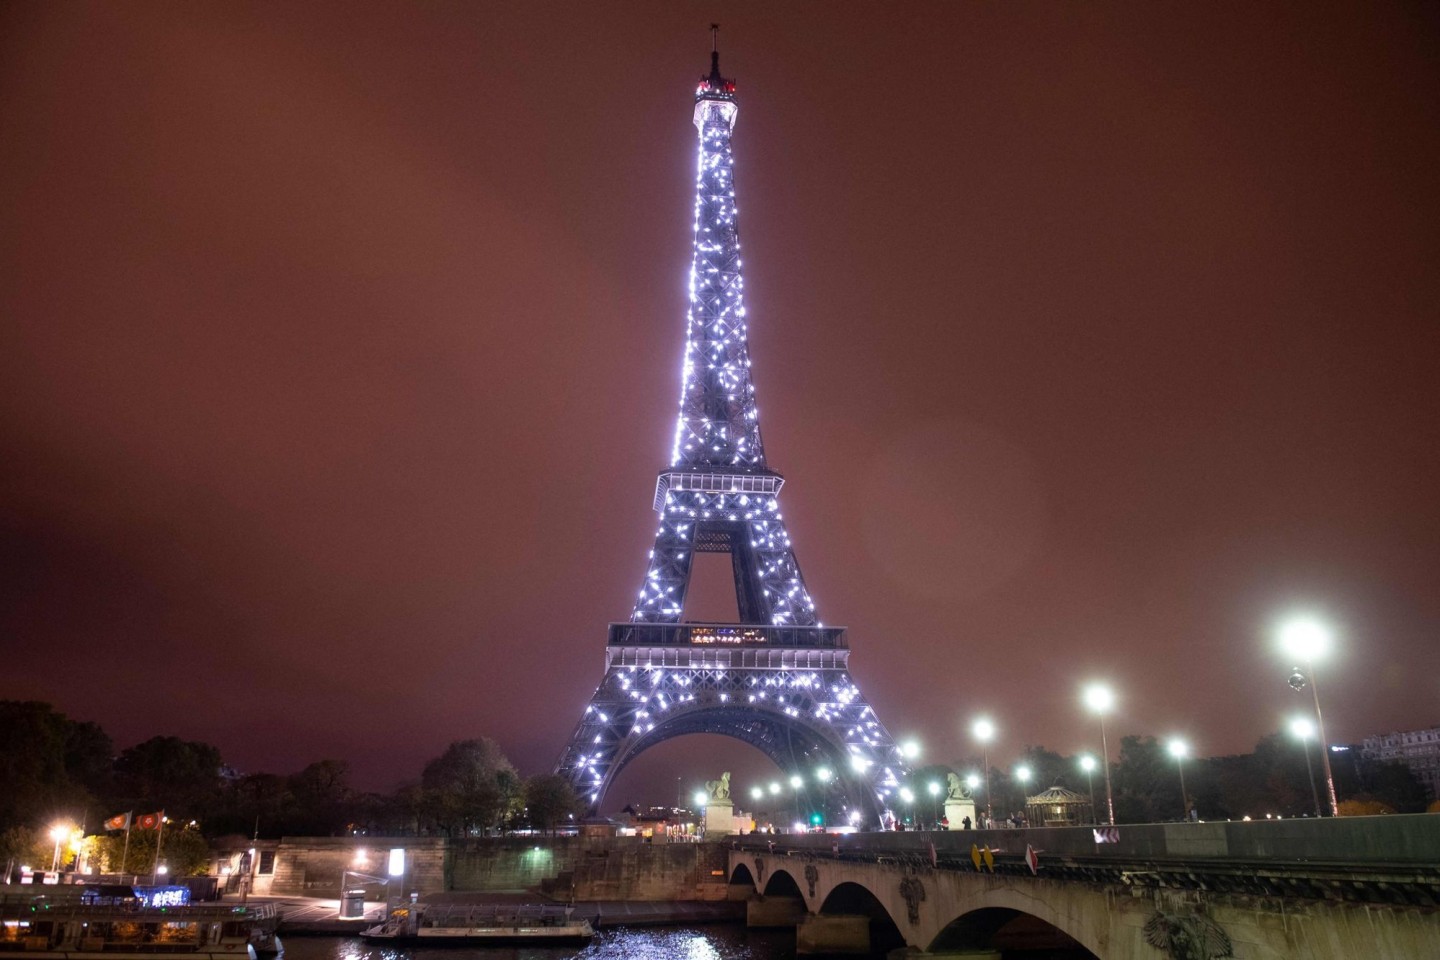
1417, 749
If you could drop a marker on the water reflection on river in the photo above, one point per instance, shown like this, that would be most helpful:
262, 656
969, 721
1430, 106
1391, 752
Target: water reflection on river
711, 942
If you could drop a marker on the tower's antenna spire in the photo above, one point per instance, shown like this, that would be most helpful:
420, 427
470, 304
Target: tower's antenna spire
715, 54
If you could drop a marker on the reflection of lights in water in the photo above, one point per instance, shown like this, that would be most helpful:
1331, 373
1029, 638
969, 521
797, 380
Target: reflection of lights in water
700, 948
693, 943
667, 945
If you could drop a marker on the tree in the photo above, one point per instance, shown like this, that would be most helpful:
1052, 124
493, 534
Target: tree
471, 785
184, 851
182, 777
322, 797
49, 764
550, 799
1145, 782
24, 846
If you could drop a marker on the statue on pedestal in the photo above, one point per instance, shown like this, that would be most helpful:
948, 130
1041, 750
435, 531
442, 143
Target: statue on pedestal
955, 788
719, 789
720, 810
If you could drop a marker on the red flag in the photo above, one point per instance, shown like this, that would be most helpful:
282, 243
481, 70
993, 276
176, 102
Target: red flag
121, 821
932, 855
150, 821
1032, 859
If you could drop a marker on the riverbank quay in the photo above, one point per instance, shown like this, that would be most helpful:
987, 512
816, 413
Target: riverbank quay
564, 869
319, 916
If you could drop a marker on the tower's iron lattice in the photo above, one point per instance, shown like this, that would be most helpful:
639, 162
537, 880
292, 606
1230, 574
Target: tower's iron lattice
778, 680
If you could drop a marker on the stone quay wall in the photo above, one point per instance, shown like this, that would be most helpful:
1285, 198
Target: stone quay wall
585, 868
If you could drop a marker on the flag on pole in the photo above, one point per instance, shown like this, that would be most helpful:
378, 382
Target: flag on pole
121, 821
933, 858
1032, 859
150, 821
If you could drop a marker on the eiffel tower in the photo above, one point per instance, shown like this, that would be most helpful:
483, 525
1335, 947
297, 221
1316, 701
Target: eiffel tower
778, 679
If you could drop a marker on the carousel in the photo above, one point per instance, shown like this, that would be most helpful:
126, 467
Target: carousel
1058, 807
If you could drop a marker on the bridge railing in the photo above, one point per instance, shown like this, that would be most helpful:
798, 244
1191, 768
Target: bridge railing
1396, 839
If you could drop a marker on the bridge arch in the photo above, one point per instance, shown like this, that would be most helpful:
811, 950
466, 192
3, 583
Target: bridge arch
741, 876
855, 899
782, 884
1012, 928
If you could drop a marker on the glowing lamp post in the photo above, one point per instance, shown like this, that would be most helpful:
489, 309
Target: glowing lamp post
59, 833
1302, 729
1023, 775
934, 789
972, 782
1178, 750
984, 731
1308, 640
910, 750
909, 797
1099, 699
1087, 763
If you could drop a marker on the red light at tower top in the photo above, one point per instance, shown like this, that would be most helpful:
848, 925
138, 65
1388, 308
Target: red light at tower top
715, 86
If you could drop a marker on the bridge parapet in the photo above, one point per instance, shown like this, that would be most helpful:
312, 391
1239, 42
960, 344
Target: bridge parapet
1369, 889
1396, 839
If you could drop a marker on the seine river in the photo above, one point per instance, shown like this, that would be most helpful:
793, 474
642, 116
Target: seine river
710, 942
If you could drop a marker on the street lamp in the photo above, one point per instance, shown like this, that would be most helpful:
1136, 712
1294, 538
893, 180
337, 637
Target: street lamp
910, 750
984, 731
59, 833
909, 797
1087, 763
1178, 749
756, 793
1023, 774
701, 799
1307, 639
1099, 699
934, 789
1302, 729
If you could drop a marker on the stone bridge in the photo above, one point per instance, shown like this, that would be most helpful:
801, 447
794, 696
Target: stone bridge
1270, 890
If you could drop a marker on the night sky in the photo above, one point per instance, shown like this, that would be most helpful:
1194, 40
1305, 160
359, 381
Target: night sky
341, 346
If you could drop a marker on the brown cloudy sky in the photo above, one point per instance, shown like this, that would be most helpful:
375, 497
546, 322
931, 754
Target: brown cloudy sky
341, 345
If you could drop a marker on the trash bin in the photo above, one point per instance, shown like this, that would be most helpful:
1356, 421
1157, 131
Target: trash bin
352, 904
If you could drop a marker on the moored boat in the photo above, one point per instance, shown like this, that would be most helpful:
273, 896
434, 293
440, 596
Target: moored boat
49, 926
436, 924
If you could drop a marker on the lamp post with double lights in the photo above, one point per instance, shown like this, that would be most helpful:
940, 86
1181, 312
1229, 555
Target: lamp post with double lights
984, 731
59, 833
1087, 763
1023, 775
1178, 750
1307, 640
1099, 699
1302, 729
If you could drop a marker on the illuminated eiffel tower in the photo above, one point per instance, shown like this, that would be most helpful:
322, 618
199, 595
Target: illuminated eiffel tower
779, 679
